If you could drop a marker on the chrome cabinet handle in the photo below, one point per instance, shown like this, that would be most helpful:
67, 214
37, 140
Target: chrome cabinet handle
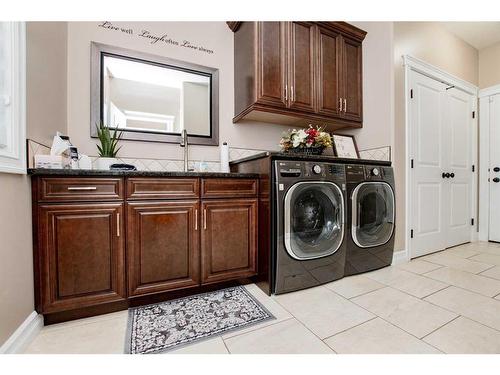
286, 92
117, 224
291, 93
205, 218
340, 104
82, 188
196, 219
345, 105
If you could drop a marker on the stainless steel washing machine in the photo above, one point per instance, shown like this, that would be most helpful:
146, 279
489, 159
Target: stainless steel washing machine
309, 224
371, 218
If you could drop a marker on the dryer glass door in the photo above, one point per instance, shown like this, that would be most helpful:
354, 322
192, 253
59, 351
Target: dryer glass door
314, 225
372, 214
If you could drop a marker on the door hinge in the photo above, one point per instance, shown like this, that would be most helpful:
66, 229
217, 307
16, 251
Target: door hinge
473, 168
411, 93
472, 221
411, 233
473, 114
411, 163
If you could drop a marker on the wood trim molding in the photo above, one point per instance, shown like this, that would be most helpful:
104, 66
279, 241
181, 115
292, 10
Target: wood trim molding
339, 26
23, 335
234, 25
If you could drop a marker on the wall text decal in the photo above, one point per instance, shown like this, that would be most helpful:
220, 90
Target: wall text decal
155, 38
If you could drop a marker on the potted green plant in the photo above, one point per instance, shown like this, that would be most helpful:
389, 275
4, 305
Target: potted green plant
107, 146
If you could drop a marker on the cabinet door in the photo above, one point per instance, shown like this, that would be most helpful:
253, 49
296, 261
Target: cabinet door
329, 71
228, 239
352, 80
301, 66
271, 73
81, 255
162, 246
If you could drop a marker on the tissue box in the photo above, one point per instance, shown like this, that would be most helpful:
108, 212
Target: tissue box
51, 161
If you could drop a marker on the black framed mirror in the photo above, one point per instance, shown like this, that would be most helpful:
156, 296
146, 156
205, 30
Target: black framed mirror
153, 98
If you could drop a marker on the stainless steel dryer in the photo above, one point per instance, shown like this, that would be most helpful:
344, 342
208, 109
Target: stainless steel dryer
370, 217
310, 224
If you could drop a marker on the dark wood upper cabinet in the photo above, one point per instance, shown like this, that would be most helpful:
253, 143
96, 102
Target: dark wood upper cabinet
297, 73
352, 80
162, 246
300, 87
228, 239
271, 64
81, 254
329, 63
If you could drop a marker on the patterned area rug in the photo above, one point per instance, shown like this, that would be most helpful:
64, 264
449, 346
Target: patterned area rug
169, 325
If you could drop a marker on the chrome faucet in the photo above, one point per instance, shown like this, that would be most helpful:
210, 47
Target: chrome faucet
184, 143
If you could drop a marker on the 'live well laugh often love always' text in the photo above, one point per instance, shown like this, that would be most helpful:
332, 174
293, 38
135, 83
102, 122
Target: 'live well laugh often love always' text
153, 38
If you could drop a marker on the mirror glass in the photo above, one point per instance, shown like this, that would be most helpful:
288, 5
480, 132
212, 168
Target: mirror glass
140, 96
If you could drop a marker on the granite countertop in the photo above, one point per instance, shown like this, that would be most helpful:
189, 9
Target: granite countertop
319, 158
102, 173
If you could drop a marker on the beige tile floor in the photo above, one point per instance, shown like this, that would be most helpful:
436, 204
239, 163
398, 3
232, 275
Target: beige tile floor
448, 302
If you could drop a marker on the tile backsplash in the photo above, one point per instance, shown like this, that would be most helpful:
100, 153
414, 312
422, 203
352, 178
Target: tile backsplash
144, 164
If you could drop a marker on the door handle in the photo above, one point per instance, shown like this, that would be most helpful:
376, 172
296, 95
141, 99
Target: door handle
496, 179
452, 175
445, 175
496, 169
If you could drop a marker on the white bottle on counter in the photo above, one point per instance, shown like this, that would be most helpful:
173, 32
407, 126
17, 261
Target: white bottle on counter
224, 158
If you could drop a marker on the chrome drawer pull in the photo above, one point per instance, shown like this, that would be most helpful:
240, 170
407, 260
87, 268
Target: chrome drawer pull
196, 219
117, 225
205, 218
86, 188
345, 105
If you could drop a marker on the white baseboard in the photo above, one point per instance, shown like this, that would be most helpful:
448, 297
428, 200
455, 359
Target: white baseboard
23, 335
399, 257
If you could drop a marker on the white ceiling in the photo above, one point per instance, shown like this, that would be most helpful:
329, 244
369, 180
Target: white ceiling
478, 34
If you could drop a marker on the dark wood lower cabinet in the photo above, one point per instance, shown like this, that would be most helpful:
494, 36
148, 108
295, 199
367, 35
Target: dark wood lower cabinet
228, 239
162, 246
81, 255
145, 243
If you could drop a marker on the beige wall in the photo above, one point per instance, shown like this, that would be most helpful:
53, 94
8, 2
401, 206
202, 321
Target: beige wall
46, 57
46, 113
212, 35
16, 265
432, 43
378, 87
489, 66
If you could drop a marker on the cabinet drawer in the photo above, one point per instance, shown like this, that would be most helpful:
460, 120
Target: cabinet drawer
228, 187
162, 188
79, 189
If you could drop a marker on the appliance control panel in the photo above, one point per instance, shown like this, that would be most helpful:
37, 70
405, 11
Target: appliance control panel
310, 169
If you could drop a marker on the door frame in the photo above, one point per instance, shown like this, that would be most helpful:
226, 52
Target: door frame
410, 64
484, 160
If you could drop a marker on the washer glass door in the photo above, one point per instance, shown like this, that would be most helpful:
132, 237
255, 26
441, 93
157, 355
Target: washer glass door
314, 213
372, 214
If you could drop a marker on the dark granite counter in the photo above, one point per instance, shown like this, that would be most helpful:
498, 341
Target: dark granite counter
101, 173
319, 158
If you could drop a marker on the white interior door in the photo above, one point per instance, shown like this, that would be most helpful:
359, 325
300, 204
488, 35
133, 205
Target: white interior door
494, 231
427, 133
458, 187
441, 177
